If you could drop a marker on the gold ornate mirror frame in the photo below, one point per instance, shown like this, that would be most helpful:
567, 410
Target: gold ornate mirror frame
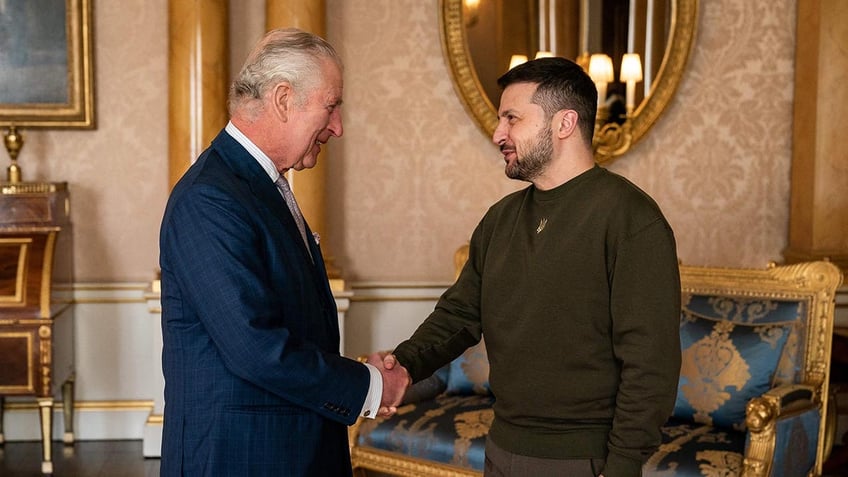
467, 84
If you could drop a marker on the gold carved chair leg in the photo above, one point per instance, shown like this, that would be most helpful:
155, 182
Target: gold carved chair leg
45, 408
68, 410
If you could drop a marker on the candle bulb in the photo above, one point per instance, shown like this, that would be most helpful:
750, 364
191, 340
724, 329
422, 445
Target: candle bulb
631, 73
600, 70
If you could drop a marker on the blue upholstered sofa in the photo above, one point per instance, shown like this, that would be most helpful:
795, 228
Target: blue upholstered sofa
752, 399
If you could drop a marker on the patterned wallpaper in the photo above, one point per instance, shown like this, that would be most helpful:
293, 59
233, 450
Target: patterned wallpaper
117, 174
413, 174
718, 162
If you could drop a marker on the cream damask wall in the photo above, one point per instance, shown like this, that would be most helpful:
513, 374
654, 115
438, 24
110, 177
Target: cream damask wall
719, 162
413, 174
117, 173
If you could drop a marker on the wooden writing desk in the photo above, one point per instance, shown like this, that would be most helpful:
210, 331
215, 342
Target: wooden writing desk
36, 305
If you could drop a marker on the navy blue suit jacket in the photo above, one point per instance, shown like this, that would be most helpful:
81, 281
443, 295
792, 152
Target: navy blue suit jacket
254, 384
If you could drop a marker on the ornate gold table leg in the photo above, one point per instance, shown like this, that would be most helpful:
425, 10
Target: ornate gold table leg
45, 408
68, 410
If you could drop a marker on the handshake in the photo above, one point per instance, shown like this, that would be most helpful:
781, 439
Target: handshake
396, 380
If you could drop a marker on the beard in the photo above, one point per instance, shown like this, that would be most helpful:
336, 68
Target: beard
539, 153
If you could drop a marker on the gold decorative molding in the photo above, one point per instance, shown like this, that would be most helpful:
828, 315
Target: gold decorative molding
47, 274
155, 419
7, 188
78, 111
18, 297
129, 405
381, 461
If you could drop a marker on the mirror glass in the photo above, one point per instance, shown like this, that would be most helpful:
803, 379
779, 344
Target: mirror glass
482, 38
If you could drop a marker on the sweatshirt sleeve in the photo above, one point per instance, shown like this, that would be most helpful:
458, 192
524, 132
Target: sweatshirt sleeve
452, 327
645, 309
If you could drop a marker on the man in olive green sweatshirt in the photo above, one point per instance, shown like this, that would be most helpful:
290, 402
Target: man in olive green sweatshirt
574, 282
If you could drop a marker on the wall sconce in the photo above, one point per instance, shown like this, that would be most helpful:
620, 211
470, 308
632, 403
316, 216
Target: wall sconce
600, 70
631, 72
612, 136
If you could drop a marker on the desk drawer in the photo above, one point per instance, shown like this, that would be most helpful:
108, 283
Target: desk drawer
21, 349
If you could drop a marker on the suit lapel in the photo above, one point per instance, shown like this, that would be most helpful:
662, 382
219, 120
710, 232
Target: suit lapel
246, 167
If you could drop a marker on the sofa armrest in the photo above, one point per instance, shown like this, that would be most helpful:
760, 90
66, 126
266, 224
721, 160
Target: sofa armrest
773, 419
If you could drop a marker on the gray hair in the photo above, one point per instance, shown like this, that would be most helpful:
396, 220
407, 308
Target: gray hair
283, 55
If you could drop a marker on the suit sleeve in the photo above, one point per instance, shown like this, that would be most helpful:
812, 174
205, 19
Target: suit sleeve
217, 254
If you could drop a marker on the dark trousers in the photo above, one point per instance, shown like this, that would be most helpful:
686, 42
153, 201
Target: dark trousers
501, 463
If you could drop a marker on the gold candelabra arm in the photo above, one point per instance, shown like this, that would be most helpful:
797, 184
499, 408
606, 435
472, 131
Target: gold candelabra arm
14, 141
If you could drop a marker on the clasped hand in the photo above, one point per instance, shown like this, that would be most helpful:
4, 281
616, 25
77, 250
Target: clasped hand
395, 381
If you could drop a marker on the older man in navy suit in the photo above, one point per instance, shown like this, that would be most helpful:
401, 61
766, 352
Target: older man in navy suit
254, 383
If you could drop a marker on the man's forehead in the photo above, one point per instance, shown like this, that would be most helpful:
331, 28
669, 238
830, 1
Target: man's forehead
520, 91
517, 95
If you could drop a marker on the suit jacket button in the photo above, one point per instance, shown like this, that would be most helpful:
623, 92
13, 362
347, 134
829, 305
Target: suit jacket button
367, 413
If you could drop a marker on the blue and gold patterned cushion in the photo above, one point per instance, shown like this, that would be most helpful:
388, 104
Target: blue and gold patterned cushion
724, 365
759, 311
689, 449
469, 373
697, 450
448, 429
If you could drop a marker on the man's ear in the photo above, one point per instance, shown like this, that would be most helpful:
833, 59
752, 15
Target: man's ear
566, 124
282, 97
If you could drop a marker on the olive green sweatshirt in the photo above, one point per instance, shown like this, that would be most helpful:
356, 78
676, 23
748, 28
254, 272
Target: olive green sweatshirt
577, 292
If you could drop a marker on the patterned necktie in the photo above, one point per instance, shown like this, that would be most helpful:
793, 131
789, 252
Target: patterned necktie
288, 196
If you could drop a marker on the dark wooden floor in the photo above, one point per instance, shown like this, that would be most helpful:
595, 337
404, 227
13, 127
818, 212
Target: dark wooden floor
123, 459
83, 459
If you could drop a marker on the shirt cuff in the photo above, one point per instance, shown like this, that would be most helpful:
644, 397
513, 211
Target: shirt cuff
375, 393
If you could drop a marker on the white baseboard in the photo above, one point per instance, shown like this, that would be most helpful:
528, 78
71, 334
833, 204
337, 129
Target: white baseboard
94, 423
152, 440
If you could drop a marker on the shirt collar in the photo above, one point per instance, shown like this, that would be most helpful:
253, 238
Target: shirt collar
262, 158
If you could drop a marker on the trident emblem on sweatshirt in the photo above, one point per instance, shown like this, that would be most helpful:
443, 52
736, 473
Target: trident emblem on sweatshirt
542, 224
